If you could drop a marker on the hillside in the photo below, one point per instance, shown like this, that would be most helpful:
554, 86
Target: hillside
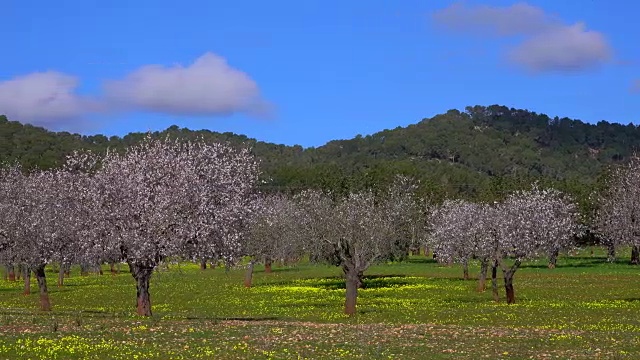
482, 152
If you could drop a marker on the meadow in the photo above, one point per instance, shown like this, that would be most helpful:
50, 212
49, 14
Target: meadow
417, 309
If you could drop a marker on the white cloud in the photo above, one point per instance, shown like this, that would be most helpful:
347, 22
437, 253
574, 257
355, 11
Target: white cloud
548, 45
569, 48
209, 86
44, 98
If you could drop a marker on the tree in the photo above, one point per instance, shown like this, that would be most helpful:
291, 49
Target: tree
274, 233
357, 230
44, 218
12, 183
618, 214
166, 198
460, 232
529, 223
407, 215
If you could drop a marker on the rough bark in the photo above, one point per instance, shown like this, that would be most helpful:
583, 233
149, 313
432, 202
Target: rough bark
635, 255
465, 270
83, 270
248, 276
267, 264
508, 286
508, 280
494, 281
27, 280
482, 279
12, 272
61, 272
611, 252
359, 275
353, 283
203, 264
553, 258
45, 304
142, 274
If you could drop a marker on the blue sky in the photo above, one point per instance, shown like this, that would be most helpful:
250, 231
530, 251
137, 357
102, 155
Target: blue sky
312, 71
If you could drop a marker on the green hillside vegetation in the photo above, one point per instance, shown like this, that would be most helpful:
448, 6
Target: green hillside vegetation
482, 153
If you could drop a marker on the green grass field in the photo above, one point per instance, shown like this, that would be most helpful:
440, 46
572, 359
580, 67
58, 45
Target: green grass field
583, 309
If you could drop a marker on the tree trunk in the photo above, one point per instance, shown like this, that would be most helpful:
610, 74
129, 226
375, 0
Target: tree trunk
267, 265
465, 270
508, 286
112, 267
203, 264
508, 280
61, 272
484, 267
83, 270
19, 272
359, 276
553, 258
611, 252
142, 275
353, 283
248, 276
27, 280
494, 281
12, 272
635, 255
415, 251
45, 304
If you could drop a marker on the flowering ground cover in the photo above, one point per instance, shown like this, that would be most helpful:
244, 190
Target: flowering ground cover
583, 309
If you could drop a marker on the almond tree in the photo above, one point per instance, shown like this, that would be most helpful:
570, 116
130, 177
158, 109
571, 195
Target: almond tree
460, 232
407, 214
618, 215
78, 204
47, 203
357, 230
11, 193
167, 198
224, 201
528, 224
274, 233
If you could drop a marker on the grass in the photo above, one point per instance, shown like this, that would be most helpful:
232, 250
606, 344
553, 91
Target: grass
584, 309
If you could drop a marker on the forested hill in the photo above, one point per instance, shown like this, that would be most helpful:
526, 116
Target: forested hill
482, 152
496, 140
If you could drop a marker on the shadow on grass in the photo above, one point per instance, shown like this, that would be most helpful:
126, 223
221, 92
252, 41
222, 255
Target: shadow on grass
420, 260
560, 265
233, 318
369, 282
279, 269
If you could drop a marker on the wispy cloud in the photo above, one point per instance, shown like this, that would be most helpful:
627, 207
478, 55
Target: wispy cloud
547, 45
518, 19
